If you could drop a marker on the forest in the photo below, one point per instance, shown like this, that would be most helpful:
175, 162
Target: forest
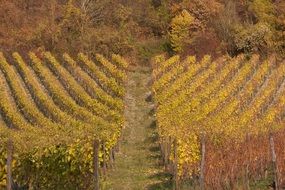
144, 28
142, 94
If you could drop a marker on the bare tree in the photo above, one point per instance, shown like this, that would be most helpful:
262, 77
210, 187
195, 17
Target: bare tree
94, 9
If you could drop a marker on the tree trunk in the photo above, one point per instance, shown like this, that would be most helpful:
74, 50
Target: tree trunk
202, 166
274, 161
96, 147
9, 165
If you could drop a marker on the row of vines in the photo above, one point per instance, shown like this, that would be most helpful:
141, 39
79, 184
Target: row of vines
60, 119
221, 122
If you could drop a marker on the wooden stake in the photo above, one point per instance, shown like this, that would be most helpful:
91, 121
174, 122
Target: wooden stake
176, 177
111, 158
247, 186
167, 154
104, 159
202, 166
274, 161
9, 165
96, 147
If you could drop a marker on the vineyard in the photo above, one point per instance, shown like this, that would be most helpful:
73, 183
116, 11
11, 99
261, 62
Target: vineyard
221, 122
142, 95
60, 119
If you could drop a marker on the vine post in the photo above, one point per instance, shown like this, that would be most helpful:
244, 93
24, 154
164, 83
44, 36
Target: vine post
274, 161
176, 177
104, 159
96, 147
202, 164
9, 164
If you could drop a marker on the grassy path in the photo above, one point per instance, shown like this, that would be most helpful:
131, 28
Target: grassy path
138, 162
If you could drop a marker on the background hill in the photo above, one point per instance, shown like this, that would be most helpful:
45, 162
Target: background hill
145, 27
